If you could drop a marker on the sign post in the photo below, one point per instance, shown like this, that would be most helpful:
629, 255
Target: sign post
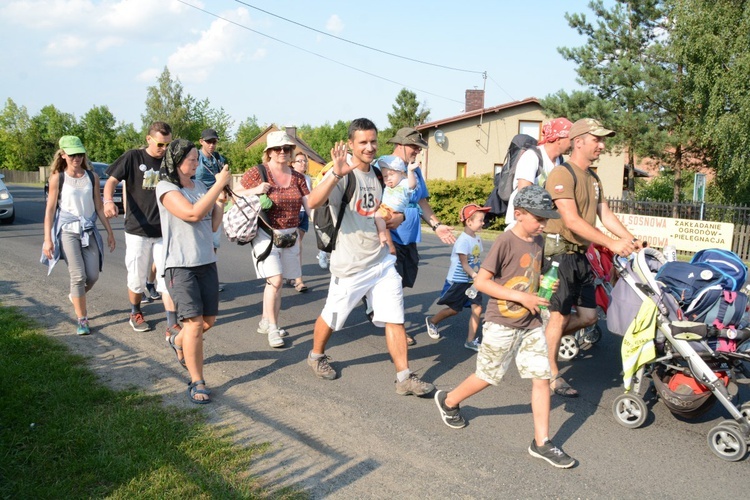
699, 191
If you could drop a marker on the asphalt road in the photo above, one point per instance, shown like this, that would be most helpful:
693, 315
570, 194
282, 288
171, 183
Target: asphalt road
354, 437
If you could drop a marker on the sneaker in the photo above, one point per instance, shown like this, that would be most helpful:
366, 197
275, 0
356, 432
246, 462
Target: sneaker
323, 260
552, 454
221, 287
274, 338
413, 385
321, 368
432, 329
263, 326
138, 323
152, 293
83, 327
146, 298
451, 416
172, 330
473, 345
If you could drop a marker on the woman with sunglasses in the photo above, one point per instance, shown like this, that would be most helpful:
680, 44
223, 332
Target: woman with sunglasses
189, 215
287, 190
70, 231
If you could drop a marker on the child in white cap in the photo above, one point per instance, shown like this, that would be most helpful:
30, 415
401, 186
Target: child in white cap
398, 188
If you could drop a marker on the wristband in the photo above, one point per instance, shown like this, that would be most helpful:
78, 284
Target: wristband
108, 201
337, 176
436, 225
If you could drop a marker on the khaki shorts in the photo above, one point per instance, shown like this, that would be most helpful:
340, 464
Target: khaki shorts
500, 344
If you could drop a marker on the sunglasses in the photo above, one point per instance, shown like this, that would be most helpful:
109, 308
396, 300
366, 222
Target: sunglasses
286, 149
160, 144
77, 155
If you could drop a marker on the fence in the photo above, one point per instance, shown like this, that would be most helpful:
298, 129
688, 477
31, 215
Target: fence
739, 215
22, 176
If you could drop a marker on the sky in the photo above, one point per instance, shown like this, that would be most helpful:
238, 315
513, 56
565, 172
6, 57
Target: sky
77, 54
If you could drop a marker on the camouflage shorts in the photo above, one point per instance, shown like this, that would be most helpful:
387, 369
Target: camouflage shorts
500, 344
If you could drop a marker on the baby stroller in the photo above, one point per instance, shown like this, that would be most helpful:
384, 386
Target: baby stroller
600, 259
691, 364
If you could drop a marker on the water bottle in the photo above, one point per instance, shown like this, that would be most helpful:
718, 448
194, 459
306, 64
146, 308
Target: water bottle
471, 292
548, 281
670, 253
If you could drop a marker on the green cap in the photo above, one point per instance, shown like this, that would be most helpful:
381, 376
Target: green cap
71, 144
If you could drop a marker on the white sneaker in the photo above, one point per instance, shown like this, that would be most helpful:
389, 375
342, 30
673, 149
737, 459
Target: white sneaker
432, 329
274, 339
263, 326
323, 260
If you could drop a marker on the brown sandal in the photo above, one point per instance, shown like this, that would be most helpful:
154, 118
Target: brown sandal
410, 340
562, 388
300, 287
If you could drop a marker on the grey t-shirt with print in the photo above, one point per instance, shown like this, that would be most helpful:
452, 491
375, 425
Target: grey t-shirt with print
186, 244
357, 244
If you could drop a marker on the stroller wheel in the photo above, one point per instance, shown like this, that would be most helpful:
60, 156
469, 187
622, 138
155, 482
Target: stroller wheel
726, 441
745, 410
590, 335
568, 348
630, 410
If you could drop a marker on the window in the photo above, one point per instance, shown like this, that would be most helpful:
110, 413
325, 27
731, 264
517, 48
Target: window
460, 170
534, 129
498, 167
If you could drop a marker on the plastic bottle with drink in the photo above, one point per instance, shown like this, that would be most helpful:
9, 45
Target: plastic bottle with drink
670, 253
471, 292
547, 283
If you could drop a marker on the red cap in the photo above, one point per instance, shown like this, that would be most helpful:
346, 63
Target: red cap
470, 210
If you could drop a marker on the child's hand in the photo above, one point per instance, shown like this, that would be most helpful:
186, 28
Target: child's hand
532, 302
413, 166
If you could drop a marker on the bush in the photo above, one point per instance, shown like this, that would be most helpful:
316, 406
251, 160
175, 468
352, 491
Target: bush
448, 197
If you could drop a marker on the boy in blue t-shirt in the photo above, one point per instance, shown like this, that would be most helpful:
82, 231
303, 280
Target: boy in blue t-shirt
463, 268
513, 325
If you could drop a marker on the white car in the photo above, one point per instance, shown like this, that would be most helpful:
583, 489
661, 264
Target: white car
7, 212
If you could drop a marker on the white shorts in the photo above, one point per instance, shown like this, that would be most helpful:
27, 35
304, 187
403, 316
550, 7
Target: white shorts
140, 252
284, 261
381, 284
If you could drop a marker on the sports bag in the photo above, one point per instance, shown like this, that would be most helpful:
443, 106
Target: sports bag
685, 280
727, 262
498, 199
325, 226
717, 307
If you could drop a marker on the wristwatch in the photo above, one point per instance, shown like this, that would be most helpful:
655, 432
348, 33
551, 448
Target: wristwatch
436, 225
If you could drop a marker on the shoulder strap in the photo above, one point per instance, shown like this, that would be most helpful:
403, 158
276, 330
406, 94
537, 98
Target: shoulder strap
540, 168
263, 173
575, 179
60, 183
264, 223
93, 188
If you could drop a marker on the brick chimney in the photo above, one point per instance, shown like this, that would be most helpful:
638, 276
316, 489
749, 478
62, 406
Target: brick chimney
474, 100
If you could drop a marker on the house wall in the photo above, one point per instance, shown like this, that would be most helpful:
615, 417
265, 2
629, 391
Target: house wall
481, 143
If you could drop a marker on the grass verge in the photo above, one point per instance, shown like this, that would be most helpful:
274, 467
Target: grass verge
64, 435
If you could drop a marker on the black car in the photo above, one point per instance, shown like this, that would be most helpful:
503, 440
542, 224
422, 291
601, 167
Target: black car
101, 171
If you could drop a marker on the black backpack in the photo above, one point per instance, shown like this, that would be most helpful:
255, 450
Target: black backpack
61, 181
498, 199
326, 230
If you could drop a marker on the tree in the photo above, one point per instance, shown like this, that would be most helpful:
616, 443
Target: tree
407, 112
239, 159
100, 134
16, 145
323, 137
710, 40
614, 64
46, 129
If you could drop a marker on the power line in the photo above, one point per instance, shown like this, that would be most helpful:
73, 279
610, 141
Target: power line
498, 86
356, 43
315, 53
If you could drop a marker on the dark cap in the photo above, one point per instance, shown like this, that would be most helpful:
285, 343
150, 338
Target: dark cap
408, 136
537, 201
589, 126
209, 134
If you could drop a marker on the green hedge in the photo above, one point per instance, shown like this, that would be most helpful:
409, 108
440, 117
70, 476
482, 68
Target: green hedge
447, 197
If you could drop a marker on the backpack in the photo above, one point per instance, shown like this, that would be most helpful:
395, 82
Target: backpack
500, 195
326, 229
687, 281
727, 262
241, 222
717, 307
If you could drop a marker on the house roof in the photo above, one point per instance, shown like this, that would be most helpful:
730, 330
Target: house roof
292, 132
477, 112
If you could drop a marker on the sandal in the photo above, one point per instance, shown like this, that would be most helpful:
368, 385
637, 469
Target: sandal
193, 390
300, 287
177, 350
410, 341
562, 388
